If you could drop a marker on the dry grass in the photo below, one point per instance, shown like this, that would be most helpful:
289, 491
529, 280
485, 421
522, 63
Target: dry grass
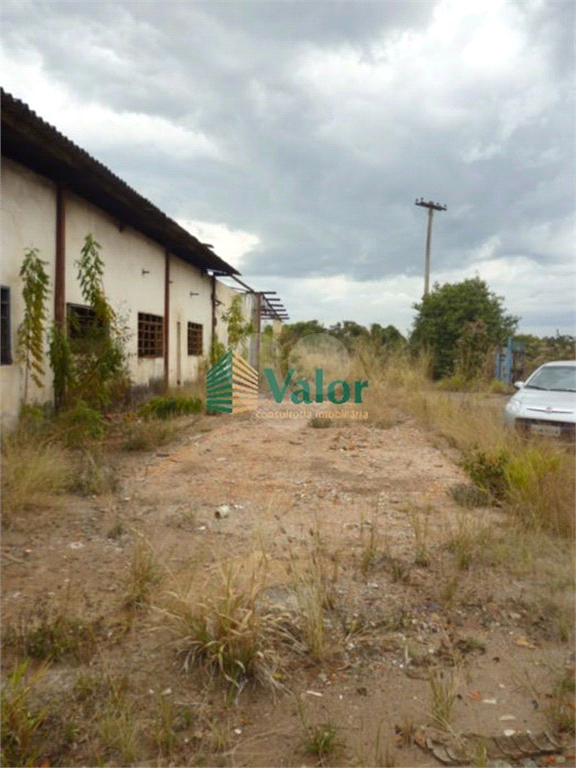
144, 575
443, 689
147, 435
315, 583
311, 605
541, 481
94, 473
487, 550
320, 741
193, 390
21, 718
118, 731
371, 548
537, 477
469, 541
36, 469
419, 520
53, 638
561, 708
232, 637
38, 464
32, 472
226, 634
531, 481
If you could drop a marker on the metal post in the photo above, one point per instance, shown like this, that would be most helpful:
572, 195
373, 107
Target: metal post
213, 330
256, 321
60, 267
166, 339
60, 280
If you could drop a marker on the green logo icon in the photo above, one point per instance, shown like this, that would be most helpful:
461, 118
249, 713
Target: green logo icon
232, 385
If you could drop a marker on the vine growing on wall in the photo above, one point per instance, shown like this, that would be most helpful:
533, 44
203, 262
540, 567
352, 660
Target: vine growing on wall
61, 364
31, 331
101, 363
217, 349
89, 362
91, 278
238, 328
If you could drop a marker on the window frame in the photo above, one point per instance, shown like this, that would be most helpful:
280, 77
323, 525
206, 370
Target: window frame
5, 326
195, 339
150, 336
81, 326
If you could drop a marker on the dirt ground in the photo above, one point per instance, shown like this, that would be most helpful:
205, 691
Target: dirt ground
372, 503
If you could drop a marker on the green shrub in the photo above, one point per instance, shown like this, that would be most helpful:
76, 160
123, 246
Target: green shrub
488, 472
80, 423
541, 488
165, 407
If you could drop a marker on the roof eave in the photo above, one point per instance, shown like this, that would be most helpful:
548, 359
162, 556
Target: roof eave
29, 140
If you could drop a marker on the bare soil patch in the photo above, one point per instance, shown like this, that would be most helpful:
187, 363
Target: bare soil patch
407, 622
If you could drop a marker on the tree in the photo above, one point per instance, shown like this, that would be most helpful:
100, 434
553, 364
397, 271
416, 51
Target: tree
237, 327
387, 337
448, 326
543, 350
30, 334
93, 368
348, 331
292, 332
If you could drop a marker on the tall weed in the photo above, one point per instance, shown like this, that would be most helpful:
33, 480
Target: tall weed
21, 719
227, 635
534, 480
31, 471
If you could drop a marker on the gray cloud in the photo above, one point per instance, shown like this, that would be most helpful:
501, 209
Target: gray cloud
327, 120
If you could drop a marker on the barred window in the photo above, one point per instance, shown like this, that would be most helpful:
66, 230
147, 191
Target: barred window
150, 335
85, 330
5, 340
194, 339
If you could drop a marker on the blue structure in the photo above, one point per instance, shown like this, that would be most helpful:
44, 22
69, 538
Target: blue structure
510, 362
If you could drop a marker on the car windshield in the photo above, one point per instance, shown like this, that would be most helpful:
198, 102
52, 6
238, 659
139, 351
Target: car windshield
556, 377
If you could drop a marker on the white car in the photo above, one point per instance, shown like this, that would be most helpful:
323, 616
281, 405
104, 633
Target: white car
545, 403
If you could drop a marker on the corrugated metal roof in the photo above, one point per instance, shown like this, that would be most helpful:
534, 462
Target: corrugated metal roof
39, 146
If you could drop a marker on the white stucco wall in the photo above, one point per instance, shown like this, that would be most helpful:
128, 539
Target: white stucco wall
133, 275
186, 308
28, 221
225, 294
134, 269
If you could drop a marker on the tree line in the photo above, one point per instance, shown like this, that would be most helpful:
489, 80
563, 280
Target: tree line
459, 325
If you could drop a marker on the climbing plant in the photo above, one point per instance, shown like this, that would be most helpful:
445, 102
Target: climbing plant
238, 328
31, 331
101, 362
60, 361
217, 349
89, 361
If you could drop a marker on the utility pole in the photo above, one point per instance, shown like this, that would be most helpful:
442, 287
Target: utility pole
431, 208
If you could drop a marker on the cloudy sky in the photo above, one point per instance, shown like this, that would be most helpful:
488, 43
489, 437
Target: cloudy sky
296, 136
